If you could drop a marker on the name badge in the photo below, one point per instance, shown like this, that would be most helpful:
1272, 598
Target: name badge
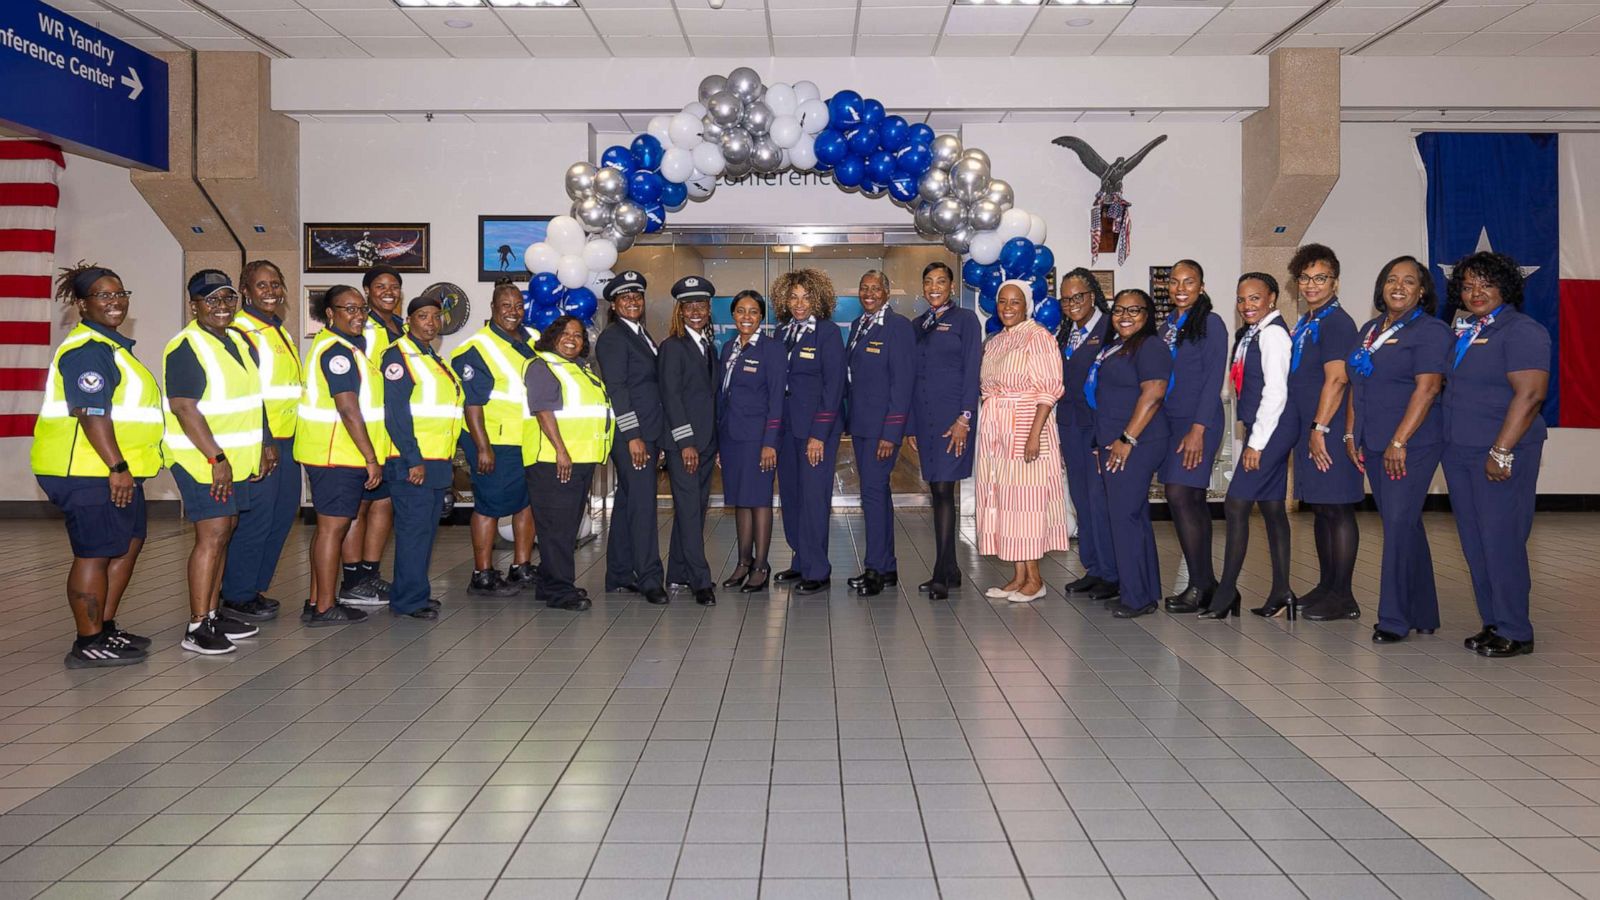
1481, 341
1381, 343
1093, 340
750, 369
944, 327
808, 354
874, 349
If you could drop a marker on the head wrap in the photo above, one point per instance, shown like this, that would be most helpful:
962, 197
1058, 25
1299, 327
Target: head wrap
84, 280
375, 271
424, 300
1024, 287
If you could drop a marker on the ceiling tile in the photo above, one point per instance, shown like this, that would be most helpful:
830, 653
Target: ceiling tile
1412, 5
222, 6
593, 5
74, 6
186, 24
482, 46
1458, 19
1305, 4
1223, 44
1304, 39
902, 19
1551, 18
1355, 20
319, 5
895, 44
1059, 44
990, 19
1404, 43
401, 47
730, 45
1140, 45
1166, 20
370, 22
803, 45
319, 48
432, 21
955, 44
152, 44
572, 46
559, 22
1256, 20
647, 46
1583, 115
635, 21
228, 44
276, 23
813, 21
724, 22
115, 24
1573, 43
864, 3
1090, 19
703, 6
1486, 43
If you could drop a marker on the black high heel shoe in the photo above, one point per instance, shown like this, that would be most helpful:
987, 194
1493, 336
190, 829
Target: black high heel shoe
938, 591
738, 576
751, 587
1222, 612
1274, 606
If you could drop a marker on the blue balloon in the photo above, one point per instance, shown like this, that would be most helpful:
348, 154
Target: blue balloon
894, 133
914, 160
655, 217
992, 277
580, 302
972, 272
1040, 287
1047, 312
541, 317
1016, 257
619, 158
863, 141
673, 195
880, 166
992, 326
543, 285
822, 168
986, 302
552, 301
903, 187
644, 187
921, 134
850, 171
844, 109
527, 309
871, 113
1044, 259
647, 151
830, 147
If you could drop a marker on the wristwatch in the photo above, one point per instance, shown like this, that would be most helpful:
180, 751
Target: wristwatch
966, 415
1129, 439
1398, 445
219, 458
1320, 428
118, 468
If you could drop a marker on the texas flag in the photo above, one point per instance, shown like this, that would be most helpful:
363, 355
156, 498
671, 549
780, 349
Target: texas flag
1523, 194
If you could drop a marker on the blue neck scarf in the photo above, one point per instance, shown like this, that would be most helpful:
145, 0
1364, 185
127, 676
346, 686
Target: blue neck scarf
1470, 333
1309, 326
1091, 386
1361, 358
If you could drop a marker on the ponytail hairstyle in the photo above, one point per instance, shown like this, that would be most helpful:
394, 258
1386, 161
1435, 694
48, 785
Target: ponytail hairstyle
74, 282
1194, 327
500, 286
1272, 288
254, 266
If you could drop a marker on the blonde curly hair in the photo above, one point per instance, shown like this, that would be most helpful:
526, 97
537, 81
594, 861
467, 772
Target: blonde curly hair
818, 286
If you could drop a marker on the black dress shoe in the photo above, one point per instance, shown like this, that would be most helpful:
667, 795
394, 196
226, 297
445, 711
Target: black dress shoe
1479, 639
1379, 636
1191, 600
434, 604
1082, 585
890, 578
926, 586
705, 597
621, 589
1124, 611
1499, 647
938, 591
572, 604
1331, 608
787, 575
856, 581
871, 585
1105, 590
427, 613
739, 575
810, 586
655, 596
1276, 607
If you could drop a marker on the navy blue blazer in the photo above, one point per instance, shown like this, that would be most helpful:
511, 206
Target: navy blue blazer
1072, 410
816, 383
882, 362
689, 394
1198, 370
629, 369
949, 357
750, 400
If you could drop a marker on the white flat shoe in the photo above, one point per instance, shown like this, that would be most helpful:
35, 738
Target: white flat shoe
997, 593
1020, 597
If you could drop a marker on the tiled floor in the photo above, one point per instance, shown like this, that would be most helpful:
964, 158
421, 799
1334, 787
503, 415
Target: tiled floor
801, 747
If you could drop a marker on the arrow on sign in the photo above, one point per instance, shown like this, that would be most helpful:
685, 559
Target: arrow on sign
134, 85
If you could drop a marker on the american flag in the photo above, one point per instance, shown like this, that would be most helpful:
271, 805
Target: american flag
29, 174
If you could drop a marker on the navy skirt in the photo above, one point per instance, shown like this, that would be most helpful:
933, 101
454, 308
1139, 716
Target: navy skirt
743, 482
1342, 482
1172, 470
938, 464
1271, 481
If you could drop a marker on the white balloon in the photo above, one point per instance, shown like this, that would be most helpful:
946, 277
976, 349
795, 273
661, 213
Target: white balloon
572, 272
566, 235
661, 127
1037, 230
701, 185
1014, 223
695, 108
805, 90
813, 116
597, 281
781, 98
599, 254
684, 131
677, 164
985, 247
785, 131
541, 257
803, 155
708, 159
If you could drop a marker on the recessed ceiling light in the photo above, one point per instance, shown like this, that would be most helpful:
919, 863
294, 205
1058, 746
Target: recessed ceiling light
457, 23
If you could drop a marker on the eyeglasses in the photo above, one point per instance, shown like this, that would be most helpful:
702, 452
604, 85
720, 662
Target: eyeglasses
1318, 280
1128, 310
220, 299
1080, 297
103, 296
352, 310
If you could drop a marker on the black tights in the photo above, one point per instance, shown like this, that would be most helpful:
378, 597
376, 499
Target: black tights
1337, 543
1192, 519
1276, 516
754, 527
944, 529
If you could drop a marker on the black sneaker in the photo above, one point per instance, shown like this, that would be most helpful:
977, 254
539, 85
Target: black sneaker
233, 628
337, 614
577, 603
364, 593
523, 576
102, 653
378, 584
307, 611
490, 583
255, 609
206, 639
117, 637
268, 602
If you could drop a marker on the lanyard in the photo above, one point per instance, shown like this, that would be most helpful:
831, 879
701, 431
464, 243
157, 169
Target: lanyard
1465, 336
1309, 326
1361, 358
1169, 333
1091, 385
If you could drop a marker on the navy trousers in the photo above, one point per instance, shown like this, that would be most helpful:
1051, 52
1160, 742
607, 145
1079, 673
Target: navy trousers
558, 511
633, 549
1133, 538
1088, 493
257, 543
1494, 519
806, 492
416, 523
1407, 595
691, 495
877, 504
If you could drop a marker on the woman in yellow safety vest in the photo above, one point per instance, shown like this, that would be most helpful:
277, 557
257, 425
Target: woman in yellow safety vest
422, 412
97, 438
568, 432
341, 441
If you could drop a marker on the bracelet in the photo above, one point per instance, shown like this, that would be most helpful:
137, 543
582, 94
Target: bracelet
1320, 428
1398, 445
1129, 439
1348, 437
1504, 450
119, 468
1503, 459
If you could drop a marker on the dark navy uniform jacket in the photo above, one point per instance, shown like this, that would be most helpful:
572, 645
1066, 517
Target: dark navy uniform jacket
1072, 410
1198, 369
628, 368
750, 399
689, 393
816, 383
1422, 347
882, 364
1477, 392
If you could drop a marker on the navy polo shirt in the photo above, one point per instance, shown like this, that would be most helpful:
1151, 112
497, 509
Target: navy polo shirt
349, 380
89, 373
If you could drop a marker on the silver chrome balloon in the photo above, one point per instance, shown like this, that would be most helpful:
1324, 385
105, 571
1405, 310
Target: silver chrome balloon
725, 108
765, 156
960, 240
610, 185
593, 213
923, 219
745, 84
629, 218
975, 153
1001, 194
580, 180
711, 84
710, 130
948, 215
934, 185
736, 145
737, 170
984, 214
758, 118
946, 149
969, 178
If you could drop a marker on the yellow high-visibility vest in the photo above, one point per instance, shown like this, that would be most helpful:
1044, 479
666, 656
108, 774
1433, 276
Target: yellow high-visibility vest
280, 371
508, 402
60, 446
320, 439
231, 406
377, 338
585, 419
435, 400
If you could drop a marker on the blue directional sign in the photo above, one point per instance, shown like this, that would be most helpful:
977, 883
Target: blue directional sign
66, 80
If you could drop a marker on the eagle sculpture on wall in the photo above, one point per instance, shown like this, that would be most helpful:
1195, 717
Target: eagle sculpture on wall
1109, 221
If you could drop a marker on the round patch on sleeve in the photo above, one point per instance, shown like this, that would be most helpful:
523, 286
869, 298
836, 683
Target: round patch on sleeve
339, 365
466, 372
91, 382
393, 371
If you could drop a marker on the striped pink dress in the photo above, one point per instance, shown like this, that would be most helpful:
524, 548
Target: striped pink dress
1022, 513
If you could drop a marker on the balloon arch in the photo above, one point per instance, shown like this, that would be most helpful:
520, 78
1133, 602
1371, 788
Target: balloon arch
740, 126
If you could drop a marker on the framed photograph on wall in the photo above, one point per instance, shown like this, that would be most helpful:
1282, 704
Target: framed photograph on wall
1107, 279
308, 315
357, 248
1160, 291
502, 240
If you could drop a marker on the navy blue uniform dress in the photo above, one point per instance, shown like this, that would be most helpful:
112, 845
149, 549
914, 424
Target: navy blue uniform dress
949, 357
1274, 439
882, 363
749, 416
417, 507
1320, 338
810, 410
1114, 392
504, 491
1075, 427
1198, 367
1494, 518
1383, 373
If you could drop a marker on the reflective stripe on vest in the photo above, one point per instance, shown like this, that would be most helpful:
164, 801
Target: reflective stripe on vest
59, 445
508, 401
585, 419
231, 405
320, 439
280, 371
435, 402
